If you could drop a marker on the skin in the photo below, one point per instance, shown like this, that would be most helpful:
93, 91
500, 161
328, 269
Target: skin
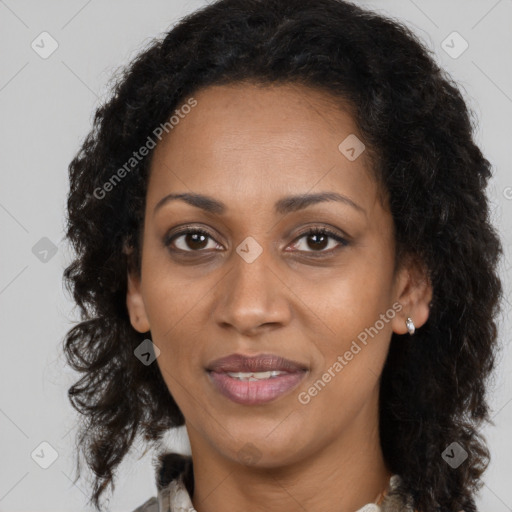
248, 146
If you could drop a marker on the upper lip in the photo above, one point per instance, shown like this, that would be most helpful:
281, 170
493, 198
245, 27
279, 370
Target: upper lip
258, 363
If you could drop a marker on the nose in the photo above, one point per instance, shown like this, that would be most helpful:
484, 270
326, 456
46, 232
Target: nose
253, 297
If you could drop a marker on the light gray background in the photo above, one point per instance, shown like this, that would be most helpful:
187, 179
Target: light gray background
46, 110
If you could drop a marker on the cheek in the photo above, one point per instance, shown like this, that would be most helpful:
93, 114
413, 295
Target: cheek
177, 322
355, 297
180, 360
352, 351
171, 293
356, 313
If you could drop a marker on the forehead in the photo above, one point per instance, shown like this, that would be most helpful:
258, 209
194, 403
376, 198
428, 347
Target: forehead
255, 143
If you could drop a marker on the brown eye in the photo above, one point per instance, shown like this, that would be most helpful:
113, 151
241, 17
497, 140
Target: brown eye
190, 240
317, 240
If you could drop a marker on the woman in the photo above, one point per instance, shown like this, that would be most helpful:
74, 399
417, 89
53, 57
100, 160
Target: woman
283, 244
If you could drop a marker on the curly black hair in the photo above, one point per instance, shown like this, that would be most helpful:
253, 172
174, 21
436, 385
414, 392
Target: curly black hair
416, 123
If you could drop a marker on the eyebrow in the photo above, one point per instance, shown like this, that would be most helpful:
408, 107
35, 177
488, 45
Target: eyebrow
284, 205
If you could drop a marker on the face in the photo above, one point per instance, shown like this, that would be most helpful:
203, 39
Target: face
242, 273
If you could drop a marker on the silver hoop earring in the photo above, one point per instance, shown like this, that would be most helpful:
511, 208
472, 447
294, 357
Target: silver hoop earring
410, 325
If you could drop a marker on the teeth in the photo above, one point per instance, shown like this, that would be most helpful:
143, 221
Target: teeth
253, 376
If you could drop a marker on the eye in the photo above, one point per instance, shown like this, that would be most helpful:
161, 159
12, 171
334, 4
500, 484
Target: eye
193, 238
318, 239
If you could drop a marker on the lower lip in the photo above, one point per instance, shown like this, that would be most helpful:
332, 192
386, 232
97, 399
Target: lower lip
255, 392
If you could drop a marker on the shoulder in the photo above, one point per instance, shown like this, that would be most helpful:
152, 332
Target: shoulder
397, 499
169, 467
150, 505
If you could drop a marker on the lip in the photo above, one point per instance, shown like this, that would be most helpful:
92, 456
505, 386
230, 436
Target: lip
255, 392
257, 363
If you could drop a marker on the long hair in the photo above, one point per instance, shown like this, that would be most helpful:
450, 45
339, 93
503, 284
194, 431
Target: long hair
412, 117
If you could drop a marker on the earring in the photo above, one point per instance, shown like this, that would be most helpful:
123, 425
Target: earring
410, 325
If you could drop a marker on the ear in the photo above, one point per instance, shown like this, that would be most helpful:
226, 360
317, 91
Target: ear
134, 302
414, 293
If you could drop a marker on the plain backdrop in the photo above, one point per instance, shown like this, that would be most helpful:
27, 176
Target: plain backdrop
46, 107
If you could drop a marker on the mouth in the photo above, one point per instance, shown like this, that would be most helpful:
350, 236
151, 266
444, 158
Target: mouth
257, 379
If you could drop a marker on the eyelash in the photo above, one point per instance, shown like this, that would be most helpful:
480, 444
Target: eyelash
312, 231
